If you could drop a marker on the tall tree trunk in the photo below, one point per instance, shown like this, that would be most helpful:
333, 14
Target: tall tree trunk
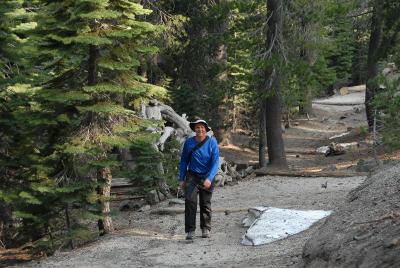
373, 57
103, 174
273, 102
273, 115
5, 221
262, 135
104, 177
308, 53
308, 56
92, 64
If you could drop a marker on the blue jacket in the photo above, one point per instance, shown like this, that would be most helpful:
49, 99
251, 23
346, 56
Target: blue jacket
204, 161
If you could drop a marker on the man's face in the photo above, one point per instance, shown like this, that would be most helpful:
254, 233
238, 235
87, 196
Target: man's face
200, 130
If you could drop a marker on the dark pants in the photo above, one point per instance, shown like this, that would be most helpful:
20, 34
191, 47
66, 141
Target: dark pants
192, 189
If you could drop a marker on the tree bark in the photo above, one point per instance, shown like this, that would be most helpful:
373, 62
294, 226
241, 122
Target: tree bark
373, 57
273, 102
5, 220
104, 176
307, 54
262, 135
92, 64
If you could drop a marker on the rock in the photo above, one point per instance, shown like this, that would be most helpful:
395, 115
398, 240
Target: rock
323, 150
344, 91
176, 201
131, 204
124, 206
241, 165
152, 197
392, 243
220, 179
144, 208
161, 196
366, 165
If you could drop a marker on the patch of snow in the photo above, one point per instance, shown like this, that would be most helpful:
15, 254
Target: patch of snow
271, 224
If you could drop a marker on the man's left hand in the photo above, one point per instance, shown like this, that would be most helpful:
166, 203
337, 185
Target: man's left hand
207, 184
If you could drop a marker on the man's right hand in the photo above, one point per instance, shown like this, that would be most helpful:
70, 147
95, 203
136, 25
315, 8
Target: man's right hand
182, 185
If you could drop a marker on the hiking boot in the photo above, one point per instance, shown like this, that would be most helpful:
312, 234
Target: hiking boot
190, 235
205, 233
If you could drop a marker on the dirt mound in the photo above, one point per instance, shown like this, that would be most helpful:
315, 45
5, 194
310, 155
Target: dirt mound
365, 231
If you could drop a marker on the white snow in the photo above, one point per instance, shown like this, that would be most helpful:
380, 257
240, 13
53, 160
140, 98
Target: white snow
271, 224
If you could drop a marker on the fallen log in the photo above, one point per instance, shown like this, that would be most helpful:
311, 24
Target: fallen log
301, 151
119, 198
121, 182
337, 148
174, 211
299, 173
16, 255
354, 89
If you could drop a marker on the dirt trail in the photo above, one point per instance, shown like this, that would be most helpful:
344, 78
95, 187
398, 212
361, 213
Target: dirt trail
158, 241
148, 240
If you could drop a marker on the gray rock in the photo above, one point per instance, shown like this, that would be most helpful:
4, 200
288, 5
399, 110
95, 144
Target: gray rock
131, 204
144, 208
367, 165
241, 165
152, 197
176, 201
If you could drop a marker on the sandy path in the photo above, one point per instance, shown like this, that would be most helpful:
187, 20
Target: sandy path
349, 99
158, 241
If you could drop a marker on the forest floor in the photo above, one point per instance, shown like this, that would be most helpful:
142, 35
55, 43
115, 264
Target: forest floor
144, 239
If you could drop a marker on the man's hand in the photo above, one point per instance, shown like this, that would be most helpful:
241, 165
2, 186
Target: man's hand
182, 185
207, 184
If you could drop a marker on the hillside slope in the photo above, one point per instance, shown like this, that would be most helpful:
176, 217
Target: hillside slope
365, 230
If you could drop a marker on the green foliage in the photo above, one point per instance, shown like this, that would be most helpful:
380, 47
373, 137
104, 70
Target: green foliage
193, 55
148, 160
170, 161
341, 33
62, 112
387, 104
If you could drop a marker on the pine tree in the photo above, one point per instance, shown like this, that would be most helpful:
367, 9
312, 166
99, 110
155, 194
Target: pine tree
195, 58
82, 109
15, 22
343, 49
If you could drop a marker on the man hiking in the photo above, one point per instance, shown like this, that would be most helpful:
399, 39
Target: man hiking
198, 166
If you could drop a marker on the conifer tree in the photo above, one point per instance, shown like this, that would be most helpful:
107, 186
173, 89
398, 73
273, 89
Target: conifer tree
94, 49
82, 109
15, 21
